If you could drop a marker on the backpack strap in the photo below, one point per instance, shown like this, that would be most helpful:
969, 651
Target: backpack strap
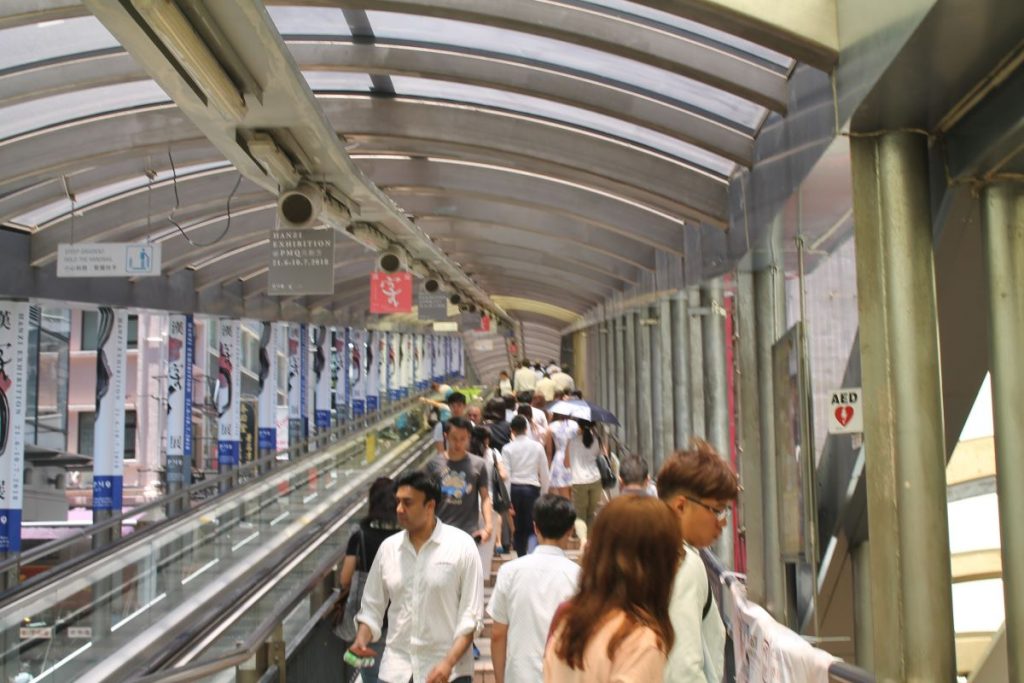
707, 603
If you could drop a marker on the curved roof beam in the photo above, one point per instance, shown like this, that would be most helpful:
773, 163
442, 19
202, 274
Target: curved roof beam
615, 214
436, 214
521, 304
547, 81
480, 253
453, 63
515, 285
593, 27
545, 274
702, 193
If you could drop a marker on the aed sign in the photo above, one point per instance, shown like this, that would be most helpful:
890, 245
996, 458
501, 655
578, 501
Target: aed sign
845, 412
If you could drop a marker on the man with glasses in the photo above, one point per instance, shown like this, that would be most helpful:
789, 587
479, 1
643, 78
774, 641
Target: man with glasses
701, 488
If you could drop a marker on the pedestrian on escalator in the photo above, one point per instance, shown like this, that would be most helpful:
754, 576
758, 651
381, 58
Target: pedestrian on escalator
581, 459
363, 544
528, 473
616, 628
494, 419
701, 488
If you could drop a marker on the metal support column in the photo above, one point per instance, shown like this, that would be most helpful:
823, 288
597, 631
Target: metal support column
644, 386
600, 371
630, 380
749, 433
619, 335
1002, 230
903, 420
665, 353
770, 292
658, 434
716, 399
697, 425
683, 418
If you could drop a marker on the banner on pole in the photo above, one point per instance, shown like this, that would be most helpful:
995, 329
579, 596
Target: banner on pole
14, 329
267, 400
228, 396
108, 429
181, 344
357, 371
321, 380
373, 371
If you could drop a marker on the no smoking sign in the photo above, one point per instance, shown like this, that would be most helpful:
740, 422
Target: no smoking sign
845, 412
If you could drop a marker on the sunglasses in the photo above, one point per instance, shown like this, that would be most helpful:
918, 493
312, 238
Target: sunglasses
719, 513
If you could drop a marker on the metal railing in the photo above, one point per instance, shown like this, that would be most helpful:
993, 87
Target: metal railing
182, 499
837, 670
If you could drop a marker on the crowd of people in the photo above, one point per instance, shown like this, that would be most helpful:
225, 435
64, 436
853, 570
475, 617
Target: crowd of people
510, 477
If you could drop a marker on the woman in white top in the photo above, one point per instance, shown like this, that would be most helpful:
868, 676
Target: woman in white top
562, 431
581, 459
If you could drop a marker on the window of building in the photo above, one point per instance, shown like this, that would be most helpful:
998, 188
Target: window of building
90, 331
87, 430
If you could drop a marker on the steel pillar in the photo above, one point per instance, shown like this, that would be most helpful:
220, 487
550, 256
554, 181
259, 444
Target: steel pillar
601, 378
770, 293
657, 435
749, 433
666, 426
645, 386
716, 399
682, 413
903, 418
862, 617
619, 335
1002, 230
697, 425
631, 378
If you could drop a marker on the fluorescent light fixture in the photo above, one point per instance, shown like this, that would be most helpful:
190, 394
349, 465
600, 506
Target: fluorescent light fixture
276, 163
178, 35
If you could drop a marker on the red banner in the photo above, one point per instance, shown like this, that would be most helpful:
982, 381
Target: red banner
390, 292
485, 323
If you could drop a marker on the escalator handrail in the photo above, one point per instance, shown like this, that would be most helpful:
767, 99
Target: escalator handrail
838, 669
249, 647
342, 430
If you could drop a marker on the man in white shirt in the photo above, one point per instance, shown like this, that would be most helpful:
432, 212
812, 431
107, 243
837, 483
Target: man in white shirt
527, 466
525, 378
527, 592
428, 579
700, 488
563, 381
546, 386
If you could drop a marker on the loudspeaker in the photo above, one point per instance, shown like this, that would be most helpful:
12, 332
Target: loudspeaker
300, 208
390, 261
455, 299
431, 286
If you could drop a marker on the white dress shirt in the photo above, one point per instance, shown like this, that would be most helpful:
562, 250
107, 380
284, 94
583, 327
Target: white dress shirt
698, 654
563, 381
436, 595
526, 594
527, 462
525, 379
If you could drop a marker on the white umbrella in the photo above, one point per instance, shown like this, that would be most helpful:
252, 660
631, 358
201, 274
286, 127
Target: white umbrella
571, 409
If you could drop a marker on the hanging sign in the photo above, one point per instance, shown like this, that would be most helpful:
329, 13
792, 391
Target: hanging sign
108, 430
301, 262
14, 328
321, 380
485, 323
228, 395
432, 306
846, 412
267, 399
373, 371
108, 259
390, 292
181, 344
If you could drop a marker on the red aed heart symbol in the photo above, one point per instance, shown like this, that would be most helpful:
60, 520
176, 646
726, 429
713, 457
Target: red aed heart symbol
844, 414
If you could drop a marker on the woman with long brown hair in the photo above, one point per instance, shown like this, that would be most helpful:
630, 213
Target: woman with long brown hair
616, 629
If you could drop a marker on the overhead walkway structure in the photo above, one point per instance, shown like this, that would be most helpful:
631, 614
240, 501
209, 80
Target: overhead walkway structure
713, 211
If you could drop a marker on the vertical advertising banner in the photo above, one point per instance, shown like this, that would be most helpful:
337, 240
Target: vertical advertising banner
297, 369
408, 364
108, 435
373, 371
390, 362
447, 358
228, 396
322, 379
436, 364
461, 357
417, 362
267, 399
181, 346
342, 388
14, 326
357, 369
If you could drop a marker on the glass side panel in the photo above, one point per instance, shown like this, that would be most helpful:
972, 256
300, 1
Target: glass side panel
317, 21
734, 43
717, 102
52, 39
48, 111
534, 106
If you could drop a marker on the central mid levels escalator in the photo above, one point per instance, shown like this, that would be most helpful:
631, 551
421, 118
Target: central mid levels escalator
191, 585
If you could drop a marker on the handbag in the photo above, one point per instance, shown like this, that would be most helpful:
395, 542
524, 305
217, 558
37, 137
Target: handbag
608, 479
346, 627
500, 501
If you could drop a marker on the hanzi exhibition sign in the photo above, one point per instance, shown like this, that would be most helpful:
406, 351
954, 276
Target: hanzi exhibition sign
301, 262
